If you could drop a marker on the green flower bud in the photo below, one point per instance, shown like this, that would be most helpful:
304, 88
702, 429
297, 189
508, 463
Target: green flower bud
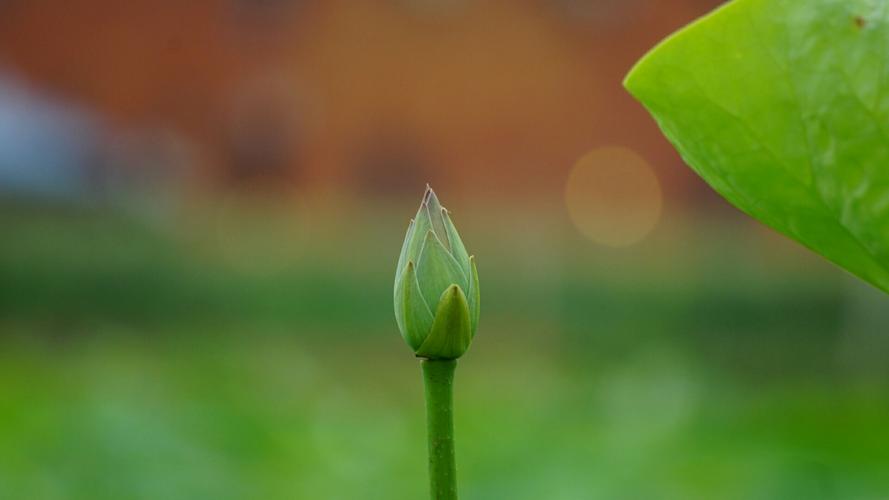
436, 285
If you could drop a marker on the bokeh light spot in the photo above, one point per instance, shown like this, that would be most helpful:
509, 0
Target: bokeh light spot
614, 197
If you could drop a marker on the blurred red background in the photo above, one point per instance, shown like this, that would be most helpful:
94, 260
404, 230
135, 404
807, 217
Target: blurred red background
498, 98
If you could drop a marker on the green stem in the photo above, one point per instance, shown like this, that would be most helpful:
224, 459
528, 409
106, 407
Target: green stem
438, 378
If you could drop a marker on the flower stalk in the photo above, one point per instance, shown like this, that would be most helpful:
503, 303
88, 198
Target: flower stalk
437, 309
438, 378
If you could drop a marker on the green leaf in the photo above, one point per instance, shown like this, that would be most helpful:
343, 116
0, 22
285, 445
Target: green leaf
411, 312
782, 106
450, 335
437, 270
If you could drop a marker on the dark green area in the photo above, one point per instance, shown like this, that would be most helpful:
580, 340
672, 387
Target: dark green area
146, 358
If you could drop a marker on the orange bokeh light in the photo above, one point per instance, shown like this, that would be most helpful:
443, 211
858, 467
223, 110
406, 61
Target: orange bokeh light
613, 196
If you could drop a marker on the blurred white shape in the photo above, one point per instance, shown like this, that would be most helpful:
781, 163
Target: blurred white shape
48, 147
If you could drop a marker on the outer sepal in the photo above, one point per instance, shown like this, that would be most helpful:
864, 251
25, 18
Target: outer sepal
411, 312
403, 256
457, 249
422, 225
452, 329
474, 296
437, 270
436, 212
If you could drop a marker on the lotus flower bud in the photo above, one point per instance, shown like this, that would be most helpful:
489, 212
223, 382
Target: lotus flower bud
436, 285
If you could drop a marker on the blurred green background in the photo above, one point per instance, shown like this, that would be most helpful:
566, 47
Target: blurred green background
201, 210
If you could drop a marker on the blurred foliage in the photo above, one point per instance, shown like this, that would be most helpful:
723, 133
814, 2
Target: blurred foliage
251, 352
